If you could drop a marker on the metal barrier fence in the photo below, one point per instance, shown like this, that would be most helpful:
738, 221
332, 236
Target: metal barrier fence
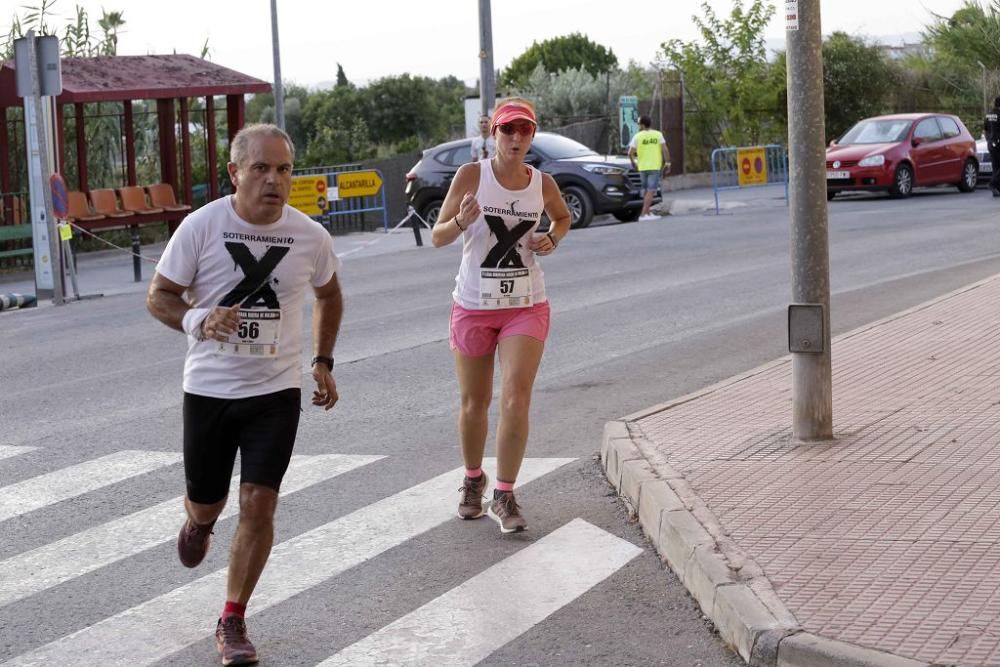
347, 213
752, 166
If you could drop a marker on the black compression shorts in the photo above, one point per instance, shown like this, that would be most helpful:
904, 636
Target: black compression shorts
262, 428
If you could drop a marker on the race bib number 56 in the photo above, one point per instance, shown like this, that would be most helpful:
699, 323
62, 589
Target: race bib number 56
257, 335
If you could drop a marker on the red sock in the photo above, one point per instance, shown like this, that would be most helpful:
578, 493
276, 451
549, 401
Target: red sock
233, 609
473, 473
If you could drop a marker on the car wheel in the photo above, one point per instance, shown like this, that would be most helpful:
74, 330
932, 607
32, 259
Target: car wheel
830, 195
970, 175
628, 215
431, 211
902, 185
580, 209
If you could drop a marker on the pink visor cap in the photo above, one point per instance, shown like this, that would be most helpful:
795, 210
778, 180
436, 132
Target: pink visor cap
508, 113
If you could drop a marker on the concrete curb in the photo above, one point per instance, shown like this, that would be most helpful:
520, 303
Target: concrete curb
730, 588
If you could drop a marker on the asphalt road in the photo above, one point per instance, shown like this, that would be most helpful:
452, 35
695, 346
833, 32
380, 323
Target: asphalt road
642, 313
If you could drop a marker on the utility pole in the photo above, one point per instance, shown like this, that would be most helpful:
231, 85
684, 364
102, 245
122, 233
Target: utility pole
812, 390
487, 86
986, 103
279, 93
38, 74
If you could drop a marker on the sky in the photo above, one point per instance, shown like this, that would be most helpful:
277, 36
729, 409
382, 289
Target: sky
437, 38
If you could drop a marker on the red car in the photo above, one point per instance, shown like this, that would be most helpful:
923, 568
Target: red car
896, 153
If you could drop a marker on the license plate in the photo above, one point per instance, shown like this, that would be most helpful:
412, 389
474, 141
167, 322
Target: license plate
988, 167
838, 174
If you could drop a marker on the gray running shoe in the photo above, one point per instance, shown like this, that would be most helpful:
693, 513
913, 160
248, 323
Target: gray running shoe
470, 505
192, 542
232, 642
506, 512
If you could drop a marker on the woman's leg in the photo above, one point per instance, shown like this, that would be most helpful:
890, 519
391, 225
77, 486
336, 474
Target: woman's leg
519, 360
475, 384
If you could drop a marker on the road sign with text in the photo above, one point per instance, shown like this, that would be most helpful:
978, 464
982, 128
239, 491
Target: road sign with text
358, 184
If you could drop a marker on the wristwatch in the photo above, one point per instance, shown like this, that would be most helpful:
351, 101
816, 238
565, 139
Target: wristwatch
322, 360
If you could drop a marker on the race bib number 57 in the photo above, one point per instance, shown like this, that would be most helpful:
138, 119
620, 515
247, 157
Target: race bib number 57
505, 288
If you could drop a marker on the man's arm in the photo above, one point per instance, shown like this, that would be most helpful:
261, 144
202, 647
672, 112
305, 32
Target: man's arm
327, 313
165, 301
631, 156
666, 157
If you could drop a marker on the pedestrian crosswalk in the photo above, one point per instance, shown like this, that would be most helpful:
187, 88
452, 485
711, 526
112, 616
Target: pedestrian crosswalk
546, 574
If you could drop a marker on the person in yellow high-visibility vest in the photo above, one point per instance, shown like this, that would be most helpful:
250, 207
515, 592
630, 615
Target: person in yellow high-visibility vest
650, 148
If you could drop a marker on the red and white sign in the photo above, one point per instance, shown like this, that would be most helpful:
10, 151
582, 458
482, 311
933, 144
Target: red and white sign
791, 14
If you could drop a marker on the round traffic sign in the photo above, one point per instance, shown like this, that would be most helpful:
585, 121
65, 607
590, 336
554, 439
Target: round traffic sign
746, 166
321, 186
758, 165
60, 197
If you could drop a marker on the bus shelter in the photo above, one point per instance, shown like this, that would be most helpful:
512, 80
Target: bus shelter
174, 83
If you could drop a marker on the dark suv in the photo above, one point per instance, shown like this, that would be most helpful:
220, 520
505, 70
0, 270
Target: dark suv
590, 183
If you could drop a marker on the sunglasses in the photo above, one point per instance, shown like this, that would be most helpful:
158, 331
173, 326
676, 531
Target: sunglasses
524, 129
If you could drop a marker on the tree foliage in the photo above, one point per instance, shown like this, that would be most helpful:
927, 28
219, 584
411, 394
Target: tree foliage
961, 63
574, 94
574, 51
728, 79
969, 36
858, 82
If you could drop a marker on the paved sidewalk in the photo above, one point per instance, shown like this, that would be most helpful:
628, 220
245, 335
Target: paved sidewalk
879, 548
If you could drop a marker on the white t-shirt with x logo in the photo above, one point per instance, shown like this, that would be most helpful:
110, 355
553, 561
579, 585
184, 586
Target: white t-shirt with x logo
498, 268
224, 260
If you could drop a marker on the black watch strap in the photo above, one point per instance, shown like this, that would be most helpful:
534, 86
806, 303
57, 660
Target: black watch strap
320, 359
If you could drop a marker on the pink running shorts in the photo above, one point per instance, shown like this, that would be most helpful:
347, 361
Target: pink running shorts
475, 333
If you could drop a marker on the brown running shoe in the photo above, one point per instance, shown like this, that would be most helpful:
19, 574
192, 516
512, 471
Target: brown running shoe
232, 642
192, 542
470, 506
506, 512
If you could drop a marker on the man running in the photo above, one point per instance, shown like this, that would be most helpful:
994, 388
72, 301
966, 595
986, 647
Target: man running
234, 277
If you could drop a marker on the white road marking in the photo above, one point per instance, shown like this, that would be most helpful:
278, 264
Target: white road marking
36, 570
76, 480
149, 632
474, 619
7, 451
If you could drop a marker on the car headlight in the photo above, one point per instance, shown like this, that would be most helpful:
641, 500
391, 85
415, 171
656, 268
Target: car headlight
603, 169
872, 161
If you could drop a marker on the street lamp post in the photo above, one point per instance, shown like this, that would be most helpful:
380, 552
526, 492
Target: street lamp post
986, 104
279, 93
487, 86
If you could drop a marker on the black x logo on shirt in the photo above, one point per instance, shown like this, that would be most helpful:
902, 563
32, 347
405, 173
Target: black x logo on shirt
504, 254
255, 289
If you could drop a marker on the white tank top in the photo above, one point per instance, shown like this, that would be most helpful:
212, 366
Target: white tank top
498, 268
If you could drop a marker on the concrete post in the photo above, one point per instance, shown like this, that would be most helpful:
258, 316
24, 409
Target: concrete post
279, 92
812, 393
487, 85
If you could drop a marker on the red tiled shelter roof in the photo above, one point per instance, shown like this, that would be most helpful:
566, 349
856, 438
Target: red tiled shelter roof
118, 78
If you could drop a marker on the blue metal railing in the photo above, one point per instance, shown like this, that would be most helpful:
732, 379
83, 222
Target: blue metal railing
726, 169
348, 212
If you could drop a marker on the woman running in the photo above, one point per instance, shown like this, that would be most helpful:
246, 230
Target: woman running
495, 205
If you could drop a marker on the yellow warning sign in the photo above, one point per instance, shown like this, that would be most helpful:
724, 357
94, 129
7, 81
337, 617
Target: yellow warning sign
358, 184
309, 194
65, 232
752, 165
